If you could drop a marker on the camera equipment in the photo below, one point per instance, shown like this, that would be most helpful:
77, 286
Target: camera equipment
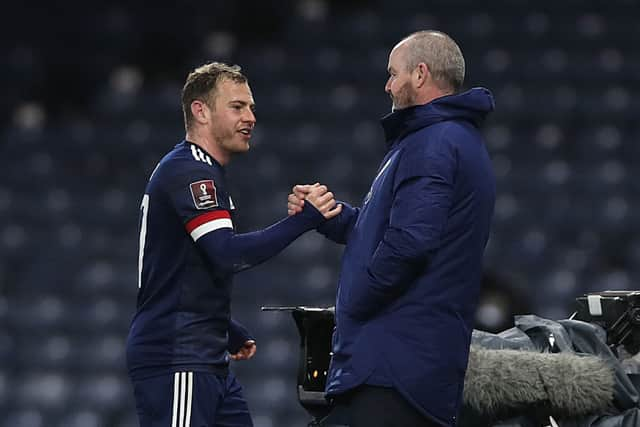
315, 326
617, 312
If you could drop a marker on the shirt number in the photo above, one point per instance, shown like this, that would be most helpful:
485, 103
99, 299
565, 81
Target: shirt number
144, 206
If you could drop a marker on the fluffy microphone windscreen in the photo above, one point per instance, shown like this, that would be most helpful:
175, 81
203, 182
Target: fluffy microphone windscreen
568, 384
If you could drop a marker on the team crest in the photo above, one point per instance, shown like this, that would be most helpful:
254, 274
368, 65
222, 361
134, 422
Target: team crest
204, 194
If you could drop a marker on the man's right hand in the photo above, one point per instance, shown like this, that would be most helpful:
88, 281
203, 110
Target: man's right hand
295, 201
316, 194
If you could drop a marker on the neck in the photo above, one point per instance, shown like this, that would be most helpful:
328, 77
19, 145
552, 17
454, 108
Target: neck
429, 94
208, 144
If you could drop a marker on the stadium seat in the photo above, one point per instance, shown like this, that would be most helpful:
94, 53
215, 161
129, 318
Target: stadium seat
76, 157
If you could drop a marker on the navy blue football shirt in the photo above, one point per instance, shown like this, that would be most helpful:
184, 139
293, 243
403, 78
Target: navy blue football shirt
188, 255
182, 317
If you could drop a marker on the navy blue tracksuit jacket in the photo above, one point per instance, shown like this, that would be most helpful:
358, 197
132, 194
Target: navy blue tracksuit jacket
412, 266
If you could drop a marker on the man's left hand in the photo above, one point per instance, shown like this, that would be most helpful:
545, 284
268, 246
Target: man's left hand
246, 352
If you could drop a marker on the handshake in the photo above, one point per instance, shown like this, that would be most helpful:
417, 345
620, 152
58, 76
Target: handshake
318, 195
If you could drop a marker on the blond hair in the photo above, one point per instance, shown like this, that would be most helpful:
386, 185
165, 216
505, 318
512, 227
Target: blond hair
202, 83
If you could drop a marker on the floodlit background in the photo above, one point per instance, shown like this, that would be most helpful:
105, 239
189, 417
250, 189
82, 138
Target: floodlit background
90, 102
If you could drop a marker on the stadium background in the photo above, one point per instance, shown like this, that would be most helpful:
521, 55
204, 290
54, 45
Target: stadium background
90, 102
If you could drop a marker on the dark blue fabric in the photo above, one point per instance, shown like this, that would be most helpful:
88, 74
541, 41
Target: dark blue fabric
216, 401
339, 227
230, 252
238, 335
412, 265
183, 308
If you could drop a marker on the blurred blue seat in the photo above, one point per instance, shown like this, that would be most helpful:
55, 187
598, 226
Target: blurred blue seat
563, 140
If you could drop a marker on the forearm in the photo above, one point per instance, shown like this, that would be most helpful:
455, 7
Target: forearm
229, 252
339, 228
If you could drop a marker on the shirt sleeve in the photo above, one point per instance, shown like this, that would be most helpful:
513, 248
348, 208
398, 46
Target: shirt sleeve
339, 228
423, 194
230, 252
204, 207
238, 335
200, 199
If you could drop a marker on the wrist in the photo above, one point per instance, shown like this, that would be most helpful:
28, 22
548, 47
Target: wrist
311, 215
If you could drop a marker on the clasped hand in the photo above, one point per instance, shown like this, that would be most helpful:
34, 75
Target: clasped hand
318, 195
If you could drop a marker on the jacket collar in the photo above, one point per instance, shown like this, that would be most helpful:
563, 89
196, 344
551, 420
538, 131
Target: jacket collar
472, 105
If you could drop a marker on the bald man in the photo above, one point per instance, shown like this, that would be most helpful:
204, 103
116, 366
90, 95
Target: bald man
411, 269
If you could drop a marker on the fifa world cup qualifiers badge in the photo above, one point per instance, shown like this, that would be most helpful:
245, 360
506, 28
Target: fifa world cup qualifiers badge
204, 194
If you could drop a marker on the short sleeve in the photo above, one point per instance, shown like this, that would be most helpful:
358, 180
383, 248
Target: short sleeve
200, 199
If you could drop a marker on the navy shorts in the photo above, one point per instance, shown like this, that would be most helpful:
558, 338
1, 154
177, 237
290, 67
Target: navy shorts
191, 399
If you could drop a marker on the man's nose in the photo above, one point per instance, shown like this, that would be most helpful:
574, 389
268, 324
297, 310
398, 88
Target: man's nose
250, 116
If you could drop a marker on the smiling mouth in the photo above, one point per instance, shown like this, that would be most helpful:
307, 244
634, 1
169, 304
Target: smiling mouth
246, 132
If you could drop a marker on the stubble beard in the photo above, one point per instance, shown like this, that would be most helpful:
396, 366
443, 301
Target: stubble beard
404, 98
231, 142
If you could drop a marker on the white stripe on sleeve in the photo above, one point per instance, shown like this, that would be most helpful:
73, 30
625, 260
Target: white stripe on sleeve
210, 226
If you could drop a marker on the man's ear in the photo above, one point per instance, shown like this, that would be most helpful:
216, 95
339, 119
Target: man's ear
200, 111
421, 75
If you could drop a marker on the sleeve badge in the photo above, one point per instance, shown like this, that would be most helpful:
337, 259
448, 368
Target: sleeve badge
204, 194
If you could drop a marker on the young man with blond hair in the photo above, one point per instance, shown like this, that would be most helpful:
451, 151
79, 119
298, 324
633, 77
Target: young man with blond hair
182, 336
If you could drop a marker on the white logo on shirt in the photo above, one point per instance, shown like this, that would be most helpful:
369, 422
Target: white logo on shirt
199, 155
